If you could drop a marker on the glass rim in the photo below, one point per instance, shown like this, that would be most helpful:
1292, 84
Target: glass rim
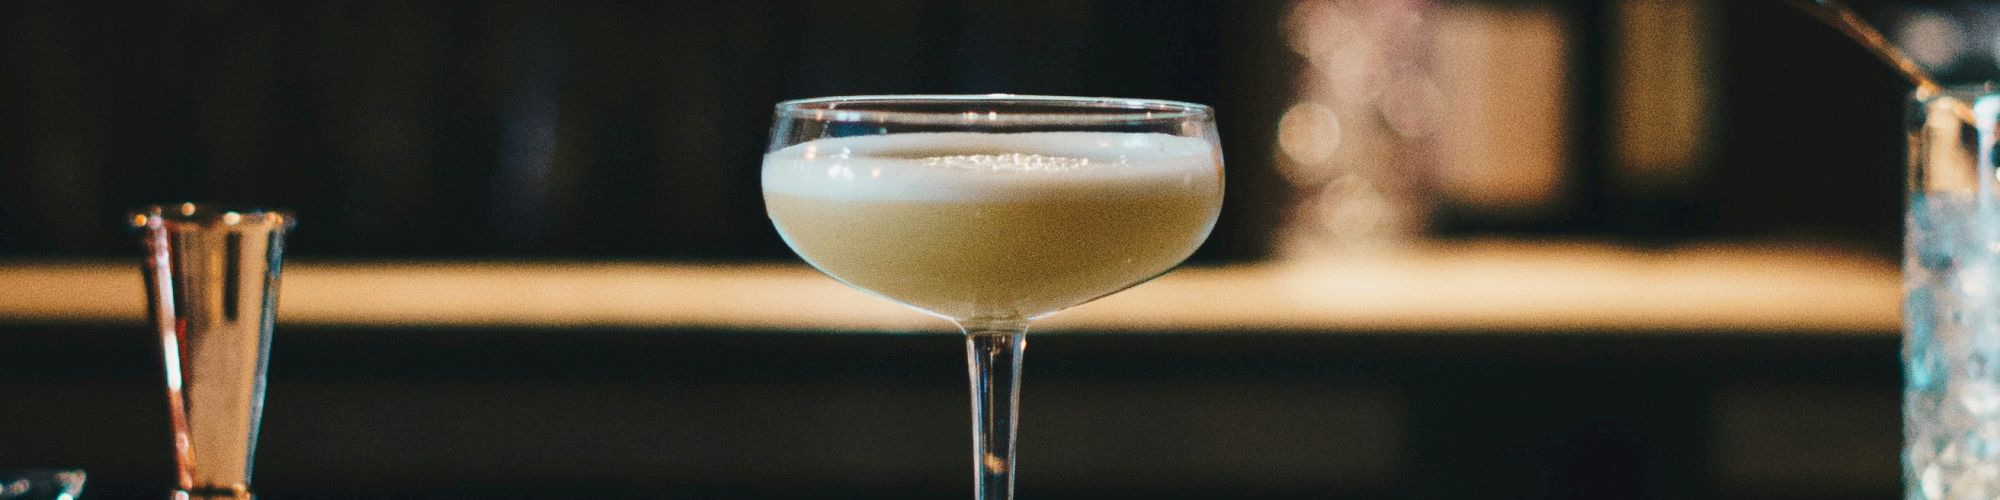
1052, 110
195, 214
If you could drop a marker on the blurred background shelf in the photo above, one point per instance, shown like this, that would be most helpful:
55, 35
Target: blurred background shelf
1481, 286
1470, 248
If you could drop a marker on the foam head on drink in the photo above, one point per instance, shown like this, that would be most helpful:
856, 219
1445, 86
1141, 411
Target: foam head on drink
1013, 225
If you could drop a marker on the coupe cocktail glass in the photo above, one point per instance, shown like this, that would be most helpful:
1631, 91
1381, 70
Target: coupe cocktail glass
993, 211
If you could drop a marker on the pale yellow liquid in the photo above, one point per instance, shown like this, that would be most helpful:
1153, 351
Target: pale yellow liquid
1026, 254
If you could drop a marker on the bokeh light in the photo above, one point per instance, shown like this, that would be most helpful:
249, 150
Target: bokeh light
1309, 133
1933, 39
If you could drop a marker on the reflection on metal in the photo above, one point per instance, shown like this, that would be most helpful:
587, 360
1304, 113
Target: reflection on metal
211, 279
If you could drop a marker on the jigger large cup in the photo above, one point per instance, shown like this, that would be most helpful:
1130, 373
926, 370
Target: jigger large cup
211, 294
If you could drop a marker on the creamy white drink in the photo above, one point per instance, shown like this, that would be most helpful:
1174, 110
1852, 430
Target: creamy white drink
995, 225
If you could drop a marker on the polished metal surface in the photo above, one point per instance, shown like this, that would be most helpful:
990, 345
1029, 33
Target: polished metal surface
211, 280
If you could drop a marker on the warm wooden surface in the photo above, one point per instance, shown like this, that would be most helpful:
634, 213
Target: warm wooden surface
1481, 287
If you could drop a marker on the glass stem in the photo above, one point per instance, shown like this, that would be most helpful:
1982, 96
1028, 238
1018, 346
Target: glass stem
993, 358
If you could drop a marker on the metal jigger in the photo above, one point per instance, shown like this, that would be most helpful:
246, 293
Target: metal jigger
211, 295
